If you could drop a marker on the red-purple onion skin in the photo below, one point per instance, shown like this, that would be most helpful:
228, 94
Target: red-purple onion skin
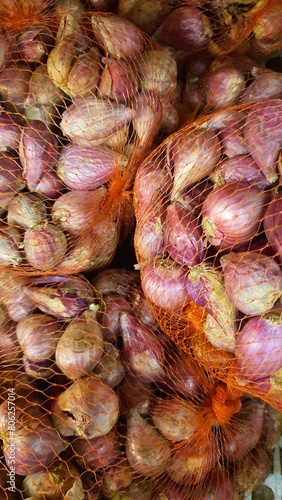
266, 85
98, 452
253, 469
20, 308
180, 377
134, 393
232, 213
38, 335
252, 280
38, 151
263, 135
118, 281
259, 348
140, 309
149, 235
184, 237
225, 118
240, 168
147, 451
114, 304
164, 284
233, 143
220, 485
272, 427
11, 174
224, 87
272, 224
110, 369
243, 431
185, 28
86, 168
142, 351
10, 133
192, 155
117, 80
50, 185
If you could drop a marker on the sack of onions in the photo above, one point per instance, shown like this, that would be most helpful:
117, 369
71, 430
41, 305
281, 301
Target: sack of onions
208, 243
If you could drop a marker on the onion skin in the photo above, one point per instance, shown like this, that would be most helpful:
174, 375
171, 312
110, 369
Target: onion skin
135, 394
240, 168
45, 246
114, 304
233, 143
10, 133
192, 155
244, 430
11, 174
38, 335
147, 451
232, 214
223, 87
115, 281
61, 296
117, 479
164, 284
110, 368
86, 167
10, 254
94, 407
266, 85
142, 351
253, 469
252, 280
98, 452
158, 72
27, 210
147, 118
80, 347
263, 136
184, 236
272, 224
259, 348
149, 235
117, 81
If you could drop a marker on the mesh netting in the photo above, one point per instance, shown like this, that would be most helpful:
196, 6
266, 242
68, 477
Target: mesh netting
97, 402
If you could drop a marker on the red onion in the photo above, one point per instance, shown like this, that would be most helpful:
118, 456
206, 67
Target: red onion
223, 87
99, 452
192, 155
253, 469
252, 280
114, 305
240, 168
139, 14
45, 246
38, 150
117, 81
9, 347
181, 376
147, 451
142, 351
86, 168
158, 72
110, 368
62, 296
232, 213
10, 254
149, 235
11, 174
10, 133
263, 135
50, 185
92, 406
266, 85
140, 309
27, 210
233, 143
152, 183
267, 30
272, 427
38, 335
259, 348
117, 478
185, 28
243, 431
14, 85
134, 393
272, 224
220, 484
184, 237
164, 284
191, 462
115, 281
80, 347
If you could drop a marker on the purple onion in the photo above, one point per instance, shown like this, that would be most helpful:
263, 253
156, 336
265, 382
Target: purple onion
263, 135
149, 236
233, 143
183, 236
98, 452
142, 351
240, 168
50, 185
272, 224
186, 28
192, 154
152, 183
117, 81
266, 85
10, 133
115, 304
232, 213
86, 168
252, 280
259, 348
164, 284
11, 174
223, 87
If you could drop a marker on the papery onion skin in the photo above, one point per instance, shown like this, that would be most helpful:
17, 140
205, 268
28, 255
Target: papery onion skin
142, 352
114, 304
117, 478
38, 335
134, 393
266, 85
110, 368
11, 174
232, 213
263, 135
149, 236
177, 419
184, 237
10, 254
272, 224
115, 281
147, 451
93, 405
224, 87
259, 348
240, 168
26, 210
45, 246
98, 452
192, 155
233, 143
252, 280
164, 284
253, 469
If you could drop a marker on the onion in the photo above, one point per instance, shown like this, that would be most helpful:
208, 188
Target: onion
110, 368
92, 406
181, 376
114, 305
232, 213
158, 72
99, 452
117, 81
80, 347
117, 479
117, 281
272, 224
272, 427
266, 85
134, 393
45, 246
263, 135
164, 284
240, 168
253, 469
244, 430
11, 175
220, 484
252, 280
259, 348
192, 155
38, 335
142, 351
149, 234
147, 118
27, 210
223, 87
147, 451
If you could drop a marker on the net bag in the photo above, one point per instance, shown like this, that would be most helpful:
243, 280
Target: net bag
208, 243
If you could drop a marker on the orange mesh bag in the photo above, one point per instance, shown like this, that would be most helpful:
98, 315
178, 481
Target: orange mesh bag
208, 243
97, 402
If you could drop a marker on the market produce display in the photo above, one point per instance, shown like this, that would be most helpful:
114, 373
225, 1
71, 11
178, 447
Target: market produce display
140, 248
